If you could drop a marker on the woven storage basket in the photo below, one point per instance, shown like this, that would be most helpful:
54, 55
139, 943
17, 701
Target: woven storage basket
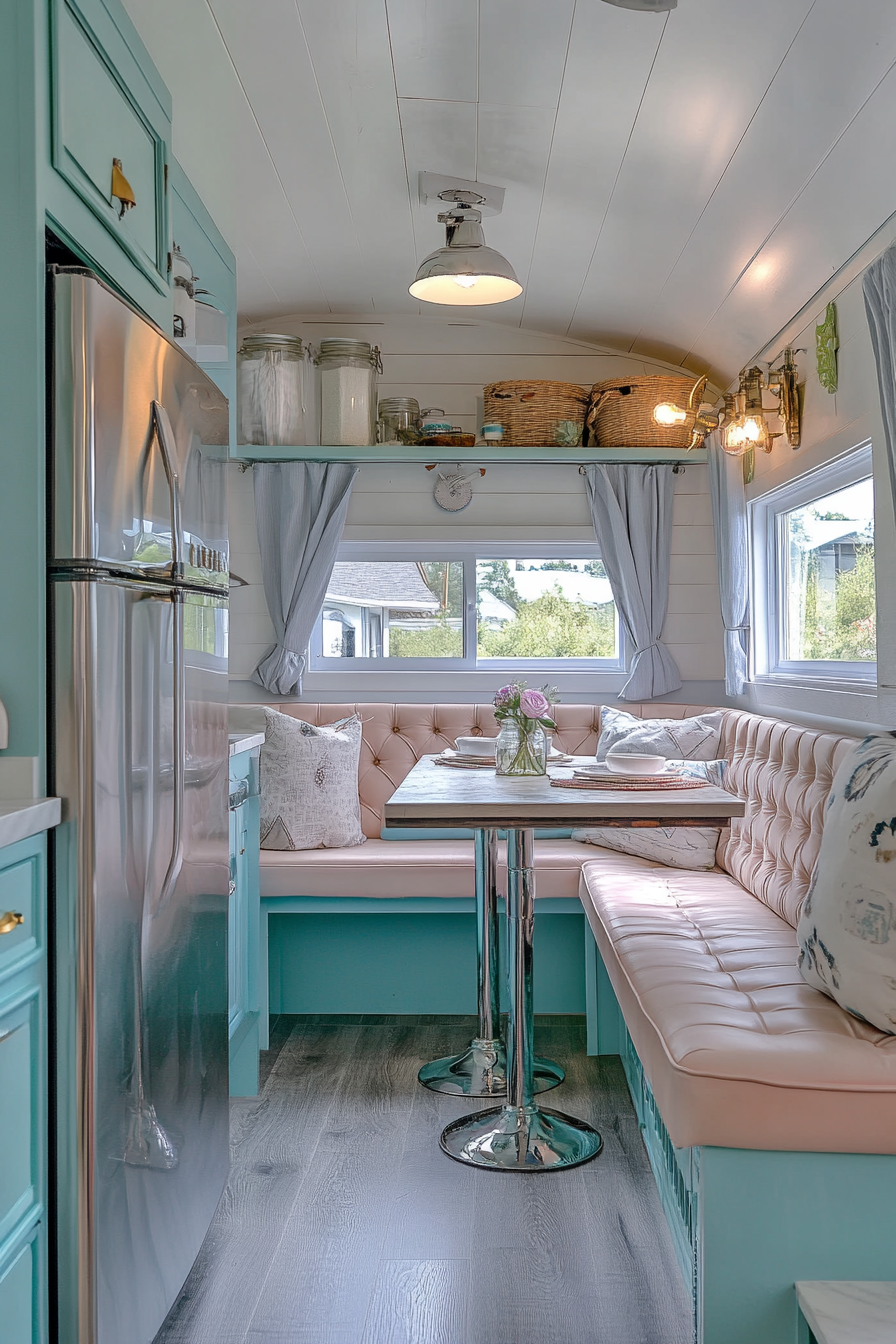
531, 411
621, 411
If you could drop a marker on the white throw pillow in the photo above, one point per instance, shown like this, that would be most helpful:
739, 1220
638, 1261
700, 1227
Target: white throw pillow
691, 847
309, 784
847, 927
694, 739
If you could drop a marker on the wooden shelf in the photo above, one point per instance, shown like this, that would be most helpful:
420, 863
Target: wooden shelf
486, 454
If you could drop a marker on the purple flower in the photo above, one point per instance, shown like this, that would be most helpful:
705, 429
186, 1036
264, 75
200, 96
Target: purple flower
534, 705
504, 696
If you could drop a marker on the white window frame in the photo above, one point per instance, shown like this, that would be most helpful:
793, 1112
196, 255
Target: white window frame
469, 552
769, 570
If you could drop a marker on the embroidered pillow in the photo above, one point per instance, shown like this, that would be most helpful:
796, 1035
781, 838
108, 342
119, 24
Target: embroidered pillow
309, 784
847, 927
691, 847
694, 739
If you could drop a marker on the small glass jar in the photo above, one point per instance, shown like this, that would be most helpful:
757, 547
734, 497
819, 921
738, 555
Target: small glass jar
272, 393
519, 752
398, 420
348, 371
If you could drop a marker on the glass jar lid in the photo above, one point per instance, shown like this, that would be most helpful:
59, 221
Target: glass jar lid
344, 347
260, 341
395, 405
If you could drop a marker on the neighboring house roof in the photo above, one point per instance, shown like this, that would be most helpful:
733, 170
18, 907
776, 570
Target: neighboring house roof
392, 584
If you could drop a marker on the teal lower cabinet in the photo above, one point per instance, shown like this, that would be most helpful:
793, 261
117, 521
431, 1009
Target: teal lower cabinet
23, 1105
244, 981
746, 1223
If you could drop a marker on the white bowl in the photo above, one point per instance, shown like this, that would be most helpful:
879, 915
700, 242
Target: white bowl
632, 764
475, 746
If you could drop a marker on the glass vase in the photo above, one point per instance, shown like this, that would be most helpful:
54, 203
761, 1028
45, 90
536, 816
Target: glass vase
519, 751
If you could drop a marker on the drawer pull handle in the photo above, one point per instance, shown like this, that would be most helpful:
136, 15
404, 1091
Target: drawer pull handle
11, 920
122, 189
231, 890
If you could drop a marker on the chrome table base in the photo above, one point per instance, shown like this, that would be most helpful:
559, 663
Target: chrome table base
481, 1069
519, 1136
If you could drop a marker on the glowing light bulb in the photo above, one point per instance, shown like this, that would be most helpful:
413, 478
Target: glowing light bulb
667, 413
466, 281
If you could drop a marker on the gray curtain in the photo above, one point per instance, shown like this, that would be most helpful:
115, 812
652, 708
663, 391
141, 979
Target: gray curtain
300, 510
632, 512
729, 520
879, 286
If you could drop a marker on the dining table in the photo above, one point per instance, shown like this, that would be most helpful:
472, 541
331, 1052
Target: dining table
520, 1135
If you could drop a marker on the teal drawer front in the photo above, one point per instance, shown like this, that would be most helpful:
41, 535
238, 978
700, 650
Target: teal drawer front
22, 905
21, 1292
20, 1113
103, 110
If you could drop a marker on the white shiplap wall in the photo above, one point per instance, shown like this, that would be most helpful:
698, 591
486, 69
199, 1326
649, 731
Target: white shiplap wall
833, 425
446, 364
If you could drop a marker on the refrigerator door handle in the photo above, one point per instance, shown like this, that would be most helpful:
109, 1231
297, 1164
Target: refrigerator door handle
179, 746
165, 435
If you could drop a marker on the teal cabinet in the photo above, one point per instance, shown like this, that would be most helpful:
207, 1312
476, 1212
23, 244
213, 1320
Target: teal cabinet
23, 1103
194, 231
244, 981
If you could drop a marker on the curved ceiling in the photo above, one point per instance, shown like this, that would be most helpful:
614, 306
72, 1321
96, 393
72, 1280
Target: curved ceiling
677, 185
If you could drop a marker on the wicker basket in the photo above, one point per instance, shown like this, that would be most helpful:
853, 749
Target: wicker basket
532, 412
621, 412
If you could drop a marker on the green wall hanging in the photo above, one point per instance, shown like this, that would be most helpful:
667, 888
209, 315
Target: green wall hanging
826, 347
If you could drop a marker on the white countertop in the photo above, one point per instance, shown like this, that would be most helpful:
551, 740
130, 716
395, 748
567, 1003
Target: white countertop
20, 818
245, 741
847, 1311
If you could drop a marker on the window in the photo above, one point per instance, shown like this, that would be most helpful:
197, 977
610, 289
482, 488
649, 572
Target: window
814, 574
468, 608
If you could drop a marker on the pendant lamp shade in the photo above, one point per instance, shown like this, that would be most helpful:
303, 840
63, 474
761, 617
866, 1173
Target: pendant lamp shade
465, 271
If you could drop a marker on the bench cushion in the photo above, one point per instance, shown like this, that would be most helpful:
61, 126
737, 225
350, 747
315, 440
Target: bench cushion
385, 869
739, 1050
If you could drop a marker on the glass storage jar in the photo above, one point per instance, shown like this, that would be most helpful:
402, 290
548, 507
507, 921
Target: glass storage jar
272, 390
348, 371
398, 420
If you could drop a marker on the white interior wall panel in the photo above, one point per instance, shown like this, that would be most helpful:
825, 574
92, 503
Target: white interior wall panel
511, 503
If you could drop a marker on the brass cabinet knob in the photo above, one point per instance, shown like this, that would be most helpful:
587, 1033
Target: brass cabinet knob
122, 189
11, 920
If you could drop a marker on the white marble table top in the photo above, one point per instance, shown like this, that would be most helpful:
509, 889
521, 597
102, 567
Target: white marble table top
245, 741
433, 795
849, 1311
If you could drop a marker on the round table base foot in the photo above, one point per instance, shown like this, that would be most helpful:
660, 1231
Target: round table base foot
481, 1071
524, 1138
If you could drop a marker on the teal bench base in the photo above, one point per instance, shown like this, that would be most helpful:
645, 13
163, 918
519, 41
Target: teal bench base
747, 1224
349, 955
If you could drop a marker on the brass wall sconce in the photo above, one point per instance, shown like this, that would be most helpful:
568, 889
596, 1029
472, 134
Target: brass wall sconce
668, 415
746, 427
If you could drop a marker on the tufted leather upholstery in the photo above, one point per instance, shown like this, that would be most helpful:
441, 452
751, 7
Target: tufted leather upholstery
396, 736
739, 1050
785, 774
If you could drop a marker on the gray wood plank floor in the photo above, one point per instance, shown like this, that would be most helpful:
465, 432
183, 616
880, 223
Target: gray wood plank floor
343, 1223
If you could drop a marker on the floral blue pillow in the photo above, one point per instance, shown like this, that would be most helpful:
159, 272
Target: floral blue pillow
847, 927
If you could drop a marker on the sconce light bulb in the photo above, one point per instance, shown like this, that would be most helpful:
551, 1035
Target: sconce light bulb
465, 281
667, 413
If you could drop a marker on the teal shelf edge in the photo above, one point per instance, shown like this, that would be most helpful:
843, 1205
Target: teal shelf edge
489, 454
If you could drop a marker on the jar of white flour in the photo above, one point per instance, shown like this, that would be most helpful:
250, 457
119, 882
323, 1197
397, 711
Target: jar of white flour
348, 371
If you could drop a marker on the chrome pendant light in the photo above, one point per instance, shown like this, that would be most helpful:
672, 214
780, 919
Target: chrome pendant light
465, 271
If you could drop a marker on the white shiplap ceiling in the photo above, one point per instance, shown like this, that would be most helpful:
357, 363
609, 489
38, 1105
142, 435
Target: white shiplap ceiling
676, 185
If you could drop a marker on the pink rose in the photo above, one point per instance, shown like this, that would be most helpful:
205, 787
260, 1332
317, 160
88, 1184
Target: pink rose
534, 705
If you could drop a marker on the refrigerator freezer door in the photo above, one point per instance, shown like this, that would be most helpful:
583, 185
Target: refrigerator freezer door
124, 395
141, 890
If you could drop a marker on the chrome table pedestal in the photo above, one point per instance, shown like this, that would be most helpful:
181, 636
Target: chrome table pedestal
520, 1136
481, 1069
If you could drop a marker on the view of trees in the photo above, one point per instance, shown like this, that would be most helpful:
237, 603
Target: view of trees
548, 626
831, 597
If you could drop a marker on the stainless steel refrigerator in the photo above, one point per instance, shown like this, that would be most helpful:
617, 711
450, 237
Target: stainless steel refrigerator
138, 749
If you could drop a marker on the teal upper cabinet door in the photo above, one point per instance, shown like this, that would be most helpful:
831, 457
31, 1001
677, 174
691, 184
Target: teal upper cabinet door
107, 106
